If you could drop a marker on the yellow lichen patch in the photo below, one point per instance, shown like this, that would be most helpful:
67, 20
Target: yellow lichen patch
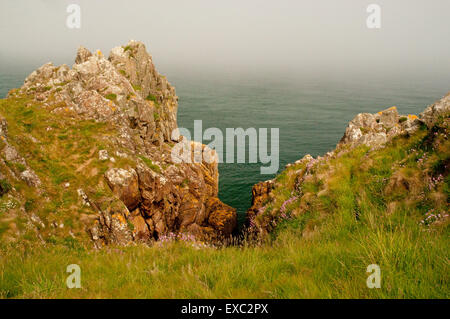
120, 218
412, 116
392, 108
99, 53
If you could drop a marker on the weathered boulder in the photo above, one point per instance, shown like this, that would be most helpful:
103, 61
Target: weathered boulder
82, 55
434, 111
261, 194
221, 217
30, 177
3, 127
125, 185
388, 118
375, 130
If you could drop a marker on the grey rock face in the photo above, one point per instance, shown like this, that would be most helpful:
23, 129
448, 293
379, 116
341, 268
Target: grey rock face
82, 55
125, 185
124, 88
375, 130
439, 108
153, 195
3, 127
30, 177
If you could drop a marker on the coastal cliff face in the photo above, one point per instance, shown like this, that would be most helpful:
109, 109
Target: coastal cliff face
88, 148
418, 178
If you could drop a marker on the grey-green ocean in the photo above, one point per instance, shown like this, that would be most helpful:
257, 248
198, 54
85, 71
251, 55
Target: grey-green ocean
311, 112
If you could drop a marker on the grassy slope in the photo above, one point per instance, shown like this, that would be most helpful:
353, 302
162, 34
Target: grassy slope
321, 251
64, 151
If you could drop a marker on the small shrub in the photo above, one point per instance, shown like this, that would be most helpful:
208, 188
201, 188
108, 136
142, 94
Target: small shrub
184, 183
5, 187
151, 97
402, 119
111, 96
130, 225
29, 205
20, 167
150, 164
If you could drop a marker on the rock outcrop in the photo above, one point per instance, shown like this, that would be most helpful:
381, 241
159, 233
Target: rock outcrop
438, 109
376, 129
371, 130
153, 196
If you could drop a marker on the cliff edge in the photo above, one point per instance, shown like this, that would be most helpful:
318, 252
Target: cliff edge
385, 162
88, 148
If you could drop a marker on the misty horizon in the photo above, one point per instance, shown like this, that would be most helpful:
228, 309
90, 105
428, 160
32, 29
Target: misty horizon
296, 37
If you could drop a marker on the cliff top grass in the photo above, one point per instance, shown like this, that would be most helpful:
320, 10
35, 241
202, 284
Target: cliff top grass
63, 152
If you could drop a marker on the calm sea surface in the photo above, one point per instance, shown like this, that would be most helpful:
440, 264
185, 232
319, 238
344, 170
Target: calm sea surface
310, 112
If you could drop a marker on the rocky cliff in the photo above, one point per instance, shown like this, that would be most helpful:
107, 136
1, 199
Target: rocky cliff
304, 185
89, 148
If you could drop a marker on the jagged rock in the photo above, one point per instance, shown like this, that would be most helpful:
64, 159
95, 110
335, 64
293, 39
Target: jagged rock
141, 230
439, 108
375, 130
261, 193
125, 185
103, 155
3, 127
221, 217
412, 124
372, 130
125, 91
30, 178
111, 226
12, 155
82, 55
388, 118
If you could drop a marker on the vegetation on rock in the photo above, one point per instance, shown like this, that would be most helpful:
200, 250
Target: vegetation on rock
76, 174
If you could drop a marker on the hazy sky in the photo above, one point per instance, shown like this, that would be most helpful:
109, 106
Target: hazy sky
245, 34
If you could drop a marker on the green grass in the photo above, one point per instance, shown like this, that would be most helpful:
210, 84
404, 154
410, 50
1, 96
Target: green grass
5, 187
111, 96
321, 250
151, 97
413, 264
150, 164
